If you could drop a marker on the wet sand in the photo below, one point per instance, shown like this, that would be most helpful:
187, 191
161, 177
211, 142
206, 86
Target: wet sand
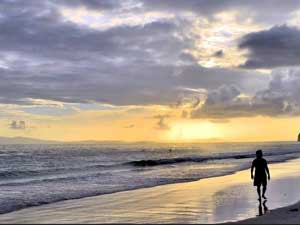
214, 200
285, 215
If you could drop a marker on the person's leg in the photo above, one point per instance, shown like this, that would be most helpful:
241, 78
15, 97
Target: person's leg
258, 192
260, 210
265, 206
264, 191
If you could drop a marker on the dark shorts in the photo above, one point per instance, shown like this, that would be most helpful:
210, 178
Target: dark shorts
260, 181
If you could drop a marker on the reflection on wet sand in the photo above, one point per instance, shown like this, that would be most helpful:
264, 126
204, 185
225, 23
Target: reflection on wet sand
262, 207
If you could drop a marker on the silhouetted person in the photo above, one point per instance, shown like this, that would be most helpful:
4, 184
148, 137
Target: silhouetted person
261, 172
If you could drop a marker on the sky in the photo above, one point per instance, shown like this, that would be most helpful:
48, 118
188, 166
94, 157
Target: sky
150, 70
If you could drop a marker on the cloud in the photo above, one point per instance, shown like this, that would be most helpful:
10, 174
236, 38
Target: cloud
162, 124
17, 125
217, 101
45, 56
184, 114
269, 11
129, 126
125, 65
281, 98
218, 54
275, 47
222, 95
220, 121
91, 4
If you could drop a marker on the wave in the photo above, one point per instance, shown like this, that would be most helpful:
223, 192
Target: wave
167, 161
15, 174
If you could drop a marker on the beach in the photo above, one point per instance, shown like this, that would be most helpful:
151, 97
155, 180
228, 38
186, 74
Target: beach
223, 199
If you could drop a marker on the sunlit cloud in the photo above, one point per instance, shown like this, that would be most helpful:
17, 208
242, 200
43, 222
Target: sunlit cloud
221, 34
104, 20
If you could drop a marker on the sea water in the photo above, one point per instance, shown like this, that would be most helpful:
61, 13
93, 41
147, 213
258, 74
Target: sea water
32, 175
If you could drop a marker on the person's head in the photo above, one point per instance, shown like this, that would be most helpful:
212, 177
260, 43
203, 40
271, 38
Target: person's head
259, 154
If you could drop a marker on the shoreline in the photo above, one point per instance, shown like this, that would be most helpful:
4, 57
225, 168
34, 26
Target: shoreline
223, 199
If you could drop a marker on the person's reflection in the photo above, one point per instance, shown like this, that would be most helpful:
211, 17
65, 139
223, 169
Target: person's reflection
262, 208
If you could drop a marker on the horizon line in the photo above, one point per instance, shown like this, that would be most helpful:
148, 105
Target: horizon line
204, 141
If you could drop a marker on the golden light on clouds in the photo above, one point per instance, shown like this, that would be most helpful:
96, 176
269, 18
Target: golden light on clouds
221, 34
103, 20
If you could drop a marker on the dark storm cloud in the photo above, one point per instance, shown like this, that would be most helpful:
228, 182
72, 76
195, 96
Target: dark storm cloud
281, 98
276, 47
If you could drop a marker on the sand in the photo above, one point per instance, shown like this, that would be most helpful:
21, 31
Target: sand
223, 199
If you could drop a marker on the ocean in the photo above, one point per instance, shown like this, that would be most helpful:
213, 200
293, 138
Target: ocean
32, 175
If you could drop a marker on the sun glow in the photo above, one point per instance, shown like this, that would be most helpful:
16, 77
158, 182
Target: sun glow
200, 131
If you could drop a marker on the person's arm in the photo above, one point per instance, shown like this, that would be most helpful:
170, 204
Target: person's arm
252, 168
268, 172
